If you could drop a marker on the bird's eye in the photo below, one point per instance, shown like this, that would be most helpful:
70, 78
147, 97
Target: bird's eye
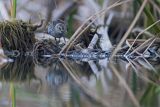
61, 28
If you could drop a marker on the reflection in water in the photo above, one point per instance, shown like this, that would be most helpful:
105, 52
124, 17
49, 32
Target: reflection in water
57, 75
19, 70
51, 84
45, 47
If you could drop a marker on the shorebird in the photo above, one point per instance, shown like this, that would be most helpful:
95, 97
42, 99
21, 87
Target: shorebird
57, 29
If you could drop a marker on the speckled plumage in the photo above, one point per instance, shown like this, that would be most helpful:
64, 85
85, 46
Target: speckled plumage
57, 29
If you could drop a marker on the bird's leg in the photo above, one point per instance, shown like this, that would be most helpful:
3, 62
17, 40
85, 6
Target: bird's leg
59, 40
56, 40
64, 40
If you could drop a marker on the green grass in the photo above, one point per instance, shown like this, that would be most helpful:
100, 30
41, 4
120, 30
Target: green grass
149, 17
12, 88
13, 94
13, 9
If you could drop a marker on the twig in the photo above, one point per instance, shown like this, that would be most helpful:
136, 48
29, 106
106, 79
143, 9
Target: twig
94, 68
130, 28
83, 87
140, 75
100, 29
149, 45
122, 81
105, 42
142, 33
141, 46
93, 41
149, 65
75, 35
132, 65
141, 30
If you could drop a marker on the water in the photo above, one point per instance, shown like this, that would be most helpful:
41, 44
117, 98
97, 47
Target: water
27, 82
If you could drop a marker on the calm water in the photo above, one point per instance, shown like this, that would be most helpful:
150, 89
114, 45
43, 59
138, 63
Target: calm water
52, 83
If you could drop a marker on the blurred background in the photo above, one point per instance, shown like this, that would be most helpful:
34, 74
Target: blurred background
30, 82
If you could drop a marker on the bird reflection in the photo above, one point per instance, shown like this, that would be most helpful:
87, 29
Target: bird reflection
57, 75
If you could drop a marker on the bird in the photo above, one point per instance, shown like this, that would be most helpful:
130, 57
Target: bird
57, 29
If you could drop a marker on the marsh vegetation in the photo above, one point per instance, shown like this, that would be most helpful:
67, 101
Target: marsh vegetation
79, 53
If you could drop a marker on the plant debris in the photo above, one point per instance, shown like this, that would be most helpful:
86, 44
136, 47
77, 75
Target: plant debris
17, 35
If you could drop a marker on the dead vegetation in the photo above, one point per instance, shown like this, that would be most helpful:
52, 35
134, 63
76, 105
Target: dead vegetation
17, 35
135, 41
